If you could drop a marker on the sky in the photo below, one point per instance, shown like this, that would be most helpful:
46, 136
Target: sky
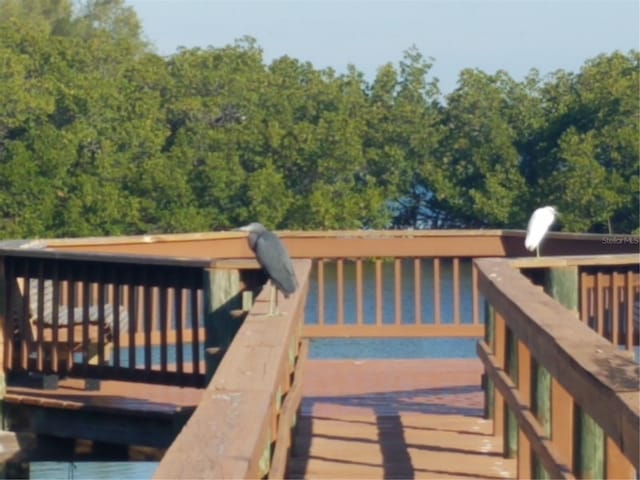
512, 35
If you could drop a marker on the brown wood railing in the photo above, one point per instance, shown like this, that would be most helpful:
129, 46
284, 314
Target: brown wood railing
394, 297
606, 289
242, 426
103, 316
565, 399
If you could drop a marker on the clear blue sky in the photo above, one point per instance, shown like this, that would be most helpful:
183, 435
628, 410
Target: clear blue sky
513, 35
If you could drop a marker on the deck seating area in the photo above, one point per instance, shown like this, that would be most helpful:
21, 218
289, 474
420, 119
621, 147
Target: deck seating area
184, 349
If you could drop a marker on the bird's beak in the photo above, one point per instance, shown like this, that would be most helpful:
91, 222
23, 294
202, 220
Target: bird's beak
244, 228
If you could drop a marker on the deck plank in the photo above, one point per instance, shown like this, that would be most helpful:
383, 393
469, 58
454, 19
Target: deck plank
395, 419
114, 396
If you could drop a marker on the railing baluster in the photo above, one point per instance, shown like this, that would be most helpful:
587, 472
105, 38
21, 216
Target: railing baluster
195, 345
630, 300
117, 302
71, 303
162, 307
9, 326
55, 303
359, 287
101, 314
25, 348
584, 297
379, 300
615, 309
179, 313
436, 291
524, 366
40, 319
86, 300
340, 290
599, 303
147, 301
320, 266
397, 282
456, 290
417, 291
474, 295
132, 310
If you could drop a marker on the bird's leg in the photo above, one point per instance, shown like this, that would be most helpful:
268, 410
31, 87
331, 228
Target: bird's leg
537, 250
273, 299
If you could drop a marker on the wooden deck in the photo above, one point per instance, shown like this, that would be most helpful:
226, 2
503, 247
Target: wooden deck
395, 419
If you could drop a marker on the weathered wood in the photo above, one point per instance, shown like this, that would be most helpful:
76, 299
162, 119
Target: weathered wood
287, 417
222, 294
393, 331
562, 420
590, 447
367, 243
489, 339
561, 283
541, 407
524, 390
232, 426
499, 407
538, 439
595, 373
574, 261
511, 440
617, 466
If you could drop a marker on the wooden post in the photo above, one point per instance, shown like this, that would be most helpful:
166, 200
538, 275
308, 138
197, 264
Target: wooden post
500, 349
221, 296
562, 284
524, 388
589, 454
489, 335
541, 399
511, 367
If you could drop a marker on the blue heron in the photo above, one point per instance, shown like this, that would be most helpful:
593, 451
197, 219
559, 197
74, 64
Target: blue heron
539, 225
274, 259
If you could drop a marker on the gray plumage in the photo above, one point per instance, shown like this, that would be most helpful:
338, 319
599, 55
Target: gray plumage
272, 257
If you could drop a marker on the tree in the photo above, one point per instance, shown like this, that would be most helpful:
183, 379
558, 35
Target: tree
477, 181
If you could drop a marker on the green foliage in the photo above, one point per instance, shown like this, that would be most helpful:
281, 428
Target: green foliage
101, 136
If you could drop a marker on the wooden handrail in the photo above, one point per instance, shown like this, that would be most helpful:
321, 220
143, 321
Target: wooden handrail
575, 261
602, 380
230, 434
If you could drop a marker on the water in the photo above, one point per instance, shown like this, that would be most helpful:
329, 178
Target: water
91, 470
407, 306
369, 348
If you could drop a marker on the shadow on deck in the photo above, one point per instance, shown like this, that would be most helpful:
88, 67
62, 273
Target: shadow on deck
395, 419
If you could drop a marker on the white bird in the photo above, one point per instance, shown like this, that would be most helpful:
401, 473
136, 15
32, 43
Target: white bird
539, 225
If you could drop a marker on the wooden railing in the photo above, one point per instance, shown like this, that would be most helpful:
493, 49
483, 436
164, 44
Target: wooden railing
103, 316
604, 289
242, 426
394, 297
566, 400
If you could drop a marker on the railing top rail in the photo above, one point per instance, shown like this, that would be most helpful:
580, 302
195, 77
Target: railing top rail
602, 379
576, 261
45, 253
181, 237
